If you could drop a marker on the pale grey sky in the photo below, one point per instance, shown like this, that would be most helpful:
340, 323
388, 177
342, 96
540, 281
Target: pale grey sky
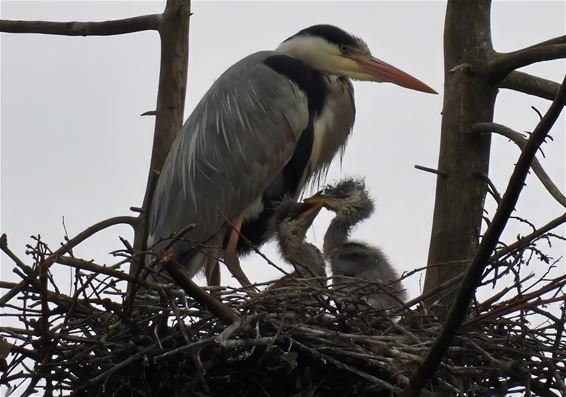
73, 144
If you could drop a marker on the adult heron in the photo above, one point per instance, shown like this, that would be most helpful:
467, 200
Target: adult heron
268, 125
352, 261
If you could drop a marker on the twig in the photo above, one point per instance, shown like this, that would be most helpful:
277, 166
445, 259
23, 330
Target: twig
525, 241
431, 170
324, 357
522, 142
174, 269
68, 246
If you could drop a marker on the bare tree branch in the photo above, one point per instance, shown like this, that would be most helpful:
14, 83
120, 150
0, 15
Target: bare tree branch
522, 142
105, 28
474, 272
555, 40
503, 64
218, 308
93, 267
79, 238
529, 84
526, 240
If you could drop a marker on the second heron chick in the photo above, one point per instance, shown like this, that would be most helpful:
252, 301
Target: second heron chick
353, 261
291, 223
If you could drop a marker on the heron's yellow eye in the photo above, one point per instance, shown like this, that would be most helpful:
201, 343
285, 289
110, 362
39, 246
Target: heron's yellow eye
343, 49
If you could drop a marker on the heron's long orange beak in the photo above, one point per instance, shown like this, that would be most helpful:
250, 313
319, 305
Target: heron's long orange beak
384, 72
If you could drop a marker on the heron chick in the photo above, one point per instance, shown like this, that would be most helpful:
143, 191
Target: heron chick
352, 261
292, 221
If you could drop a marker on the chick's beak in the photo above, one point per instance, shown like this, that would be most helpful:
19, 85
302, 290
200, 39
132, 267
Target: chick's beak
382, 71
311, 210
317, 200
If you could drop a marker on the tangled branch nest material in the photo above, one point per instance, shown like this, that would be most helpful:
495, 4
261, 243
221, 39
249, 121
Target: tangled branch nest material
297, 339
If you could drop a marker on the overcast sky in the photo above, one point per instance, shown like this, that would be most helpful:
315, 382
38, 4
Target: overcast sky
73, 144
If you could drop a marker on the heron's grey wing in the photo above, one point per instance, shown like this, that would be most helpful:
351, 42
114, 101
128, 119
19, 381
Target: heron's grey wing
357, 259
238, 138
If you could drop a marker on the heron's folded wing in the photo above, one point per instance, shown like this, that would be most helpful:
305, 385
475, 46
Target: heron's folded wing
238, 138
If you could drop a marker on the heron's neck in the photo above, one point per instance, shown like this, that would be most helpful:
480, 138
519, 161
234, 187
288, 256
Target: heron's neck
309, 262
306, 258
339, 231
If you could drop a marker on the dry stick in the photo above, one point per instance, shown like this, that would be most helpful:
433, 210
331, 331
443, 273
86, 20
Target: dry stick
489, 241
522, 142
556, 345
129, 361
524, 241
531, 85
79, 238
140, 238
93, 267
105, 28
218, 308
503, 64
514, 303
339, 364
4, 247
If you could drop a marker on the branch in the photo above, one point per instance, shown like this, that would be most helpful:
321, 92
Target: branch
487, 246
529, 84
555, 40
524, 241
211, 303
522, 143
105, 28
79, 238
93, 267
503, 64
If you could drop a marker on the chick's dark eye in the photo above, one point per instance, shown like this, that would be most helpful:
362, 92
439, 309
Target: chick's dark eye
343, 49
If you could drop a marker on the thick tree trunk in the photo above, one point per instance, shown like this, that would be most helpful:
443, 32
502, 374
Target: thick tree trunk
463, 159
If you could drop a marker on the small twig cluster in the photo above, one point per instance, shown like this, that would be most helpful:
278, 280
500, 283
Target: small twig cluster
299, 337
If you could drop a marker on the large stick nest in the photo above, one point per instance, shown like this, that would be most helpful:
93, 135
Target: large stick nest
298, 339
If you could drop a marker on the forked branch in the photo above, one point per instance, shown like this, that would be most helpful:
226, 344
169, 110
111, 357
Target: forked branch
503, 64
522, 142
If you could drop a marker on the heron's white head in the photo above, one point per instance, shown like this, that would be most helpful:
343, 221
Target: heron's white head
331, 50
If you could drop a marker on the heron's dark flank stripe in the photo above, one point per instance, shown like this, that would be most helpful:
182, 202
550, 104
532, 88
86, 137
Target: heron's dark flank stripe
311, 82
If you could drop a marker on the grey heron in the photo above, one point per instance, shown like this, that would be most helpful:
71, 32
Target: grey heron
351, 260
269, 124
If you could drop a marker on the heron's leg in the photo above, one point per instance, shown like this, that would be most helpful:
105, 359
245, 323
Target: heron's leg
212, 272
231, 255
